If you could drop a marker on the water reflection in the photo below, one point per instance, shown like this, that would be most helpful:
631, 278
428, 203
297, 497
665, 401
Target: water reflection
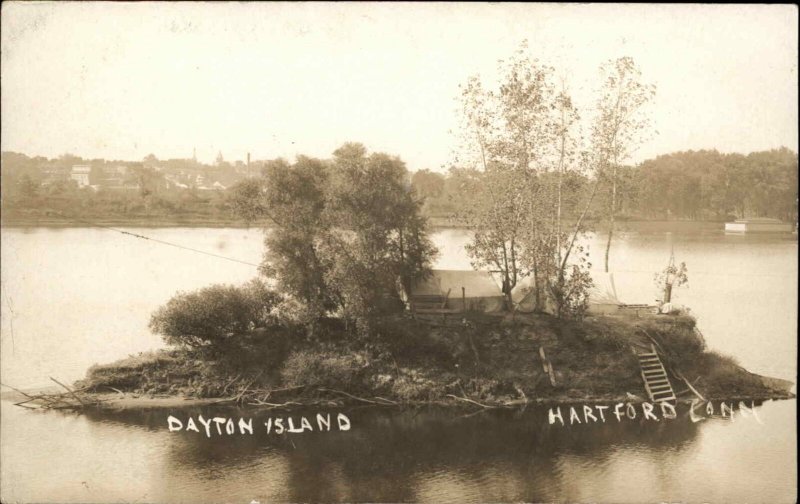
427, 454
410, 455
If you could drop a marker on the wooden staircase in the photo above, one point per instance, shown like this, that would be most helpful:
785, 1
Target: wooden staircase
656, 381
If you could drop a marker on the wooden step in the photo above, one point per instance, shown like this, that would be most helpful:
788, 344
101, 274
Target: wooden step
661, 391
664, 399
662, 396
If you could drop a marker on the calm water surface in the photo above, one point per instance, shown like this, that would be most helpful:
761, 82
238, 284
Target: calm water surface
74, 297
390, 455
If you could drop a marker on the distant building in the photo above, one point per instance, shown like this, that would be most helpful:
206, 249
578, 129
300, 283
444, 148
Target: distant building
80, 174
115, 170
54, 174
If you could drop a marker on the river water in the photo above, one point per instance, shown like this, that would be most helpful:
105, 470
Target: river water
78, 296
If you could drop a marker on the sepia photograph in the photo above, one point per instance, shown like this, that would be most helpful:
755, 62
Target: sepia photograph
383, 252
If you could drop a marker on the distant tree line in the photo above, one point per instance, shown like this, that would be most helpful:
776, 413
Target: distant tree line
696, 185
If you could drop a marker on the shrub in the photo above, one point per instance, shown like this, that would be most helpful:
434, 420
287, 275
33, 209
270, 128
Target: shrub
323, 368
210, 316
264, 347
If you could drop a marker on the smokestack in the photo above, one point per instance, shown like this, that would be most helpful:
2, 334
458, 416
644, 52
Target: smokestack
248, 159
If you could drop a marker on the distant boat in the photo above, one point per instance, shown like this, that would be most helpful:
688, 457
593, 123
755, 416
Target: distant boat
758, 225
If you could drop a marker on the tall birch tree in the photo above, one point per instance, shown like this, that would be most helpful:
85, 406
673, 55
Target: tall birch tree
619, 126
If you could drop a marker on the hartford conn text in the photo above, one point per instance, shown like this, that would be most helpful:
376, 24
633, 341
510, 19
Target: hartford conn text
698, 411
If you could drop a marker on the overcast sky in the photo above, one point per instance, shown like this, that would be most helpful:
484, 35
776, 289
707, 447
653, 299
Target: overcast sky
121, 81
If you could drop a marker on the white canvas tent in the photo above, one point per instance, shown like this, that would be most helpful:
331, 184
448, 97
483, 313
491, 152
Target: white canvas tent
480, 293
602, 295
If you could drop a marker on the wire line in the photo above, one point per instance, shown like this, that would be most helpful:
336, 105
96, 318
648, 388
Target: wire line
156, 240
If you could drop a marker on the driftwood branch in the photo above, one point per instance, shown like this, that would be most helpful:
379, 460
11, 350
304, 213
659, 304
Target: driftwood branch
273, 405
351, 396
17, 390
471, 401
72, 392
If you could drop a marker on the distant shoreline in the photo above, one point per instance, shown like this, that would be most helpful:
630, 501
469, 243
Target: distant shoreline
128, 223
436, 222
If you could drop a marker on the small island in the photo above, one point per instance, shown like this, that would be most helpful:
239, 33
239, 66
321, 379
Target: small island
485, 359
347, 309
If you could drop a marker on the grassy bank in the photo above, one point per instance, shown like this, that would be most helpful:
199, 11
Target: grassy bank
492, 360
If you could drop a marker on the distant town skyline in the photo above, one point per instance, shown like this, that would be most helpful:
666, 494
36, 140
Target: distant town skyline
121, 81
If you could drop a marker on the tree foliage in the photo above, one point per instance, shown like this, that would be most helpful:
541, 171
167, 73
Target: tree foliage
709, 185
214, 317
519, 153
377, 238
344, 231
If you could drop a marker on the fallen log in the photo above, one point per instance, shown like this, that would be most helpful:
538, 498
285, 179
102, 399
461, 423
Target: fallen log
350, 396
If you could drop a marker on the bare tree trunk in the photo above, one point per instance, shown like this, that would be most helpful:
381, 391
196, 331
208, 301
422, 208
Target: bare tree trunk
667, 292
613, 212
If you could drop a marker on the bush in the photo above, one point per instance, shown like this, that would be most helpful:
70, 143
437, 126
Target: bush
265, 348
323, 368
211, 316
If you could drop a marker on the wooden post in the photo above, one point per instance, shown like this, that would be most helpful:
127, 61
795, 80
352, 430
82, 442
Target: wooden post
547, 366
463, 299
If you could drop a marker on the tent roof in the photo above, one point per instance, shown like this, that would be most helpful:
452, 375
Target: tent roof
475, 284
603, 291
